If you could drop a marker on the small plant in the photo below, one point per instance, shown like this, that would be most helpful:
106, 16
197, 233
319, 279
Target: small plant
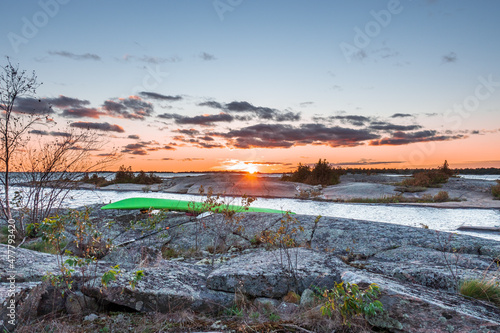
254, 315
274, 317
284, 239
350, 301
292, 297
169, 253
110, 275
43, 246
495, 190
222, 228
138, 275
234, 311
146, 189
486, 290
442, 196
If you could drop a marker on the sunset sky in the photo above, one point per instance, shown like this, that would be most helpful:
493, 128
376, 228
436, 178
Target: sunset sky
195, 85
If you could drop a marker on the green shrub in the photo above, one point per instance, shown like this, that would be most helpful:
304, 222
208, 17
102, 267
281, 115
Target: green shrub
321, 174
442, 196
350, 301
495, 190
481, 289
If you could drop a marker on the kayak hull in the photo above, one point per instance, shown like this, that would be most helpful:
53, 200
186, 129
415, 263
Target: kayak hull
179, 205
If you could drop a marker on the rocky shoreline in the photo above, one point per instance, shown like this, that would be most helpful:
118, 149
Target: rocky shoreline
416, 269
469, 193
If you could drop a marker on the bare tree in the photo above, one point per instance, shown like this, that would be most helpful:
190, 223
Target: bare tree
51, 169
14, 83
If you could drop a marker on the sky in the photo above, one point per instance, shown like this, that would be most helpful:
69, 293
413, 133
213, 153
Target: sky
259, 85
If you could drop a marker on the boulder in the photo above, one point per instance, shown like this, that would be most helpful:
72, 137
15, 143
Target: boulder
429, 267
307, 298
270, 274
167, 287
28, 265
413, 308
79, 304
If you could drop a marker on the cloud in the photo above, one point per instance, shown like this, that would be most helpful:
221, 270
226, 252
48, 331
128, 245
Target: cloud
70, 55
260, 112
401, 138
450, 57
66, 102
201, 142
352, 119
306, 104
135, 149
207, 56
190, 132
192, 159
98, 126
150, 59
365, 161
39, 132
384, 126
132, 107
153, 95
286, 136
133, 136
32, 106
401, 115
143, 147
82, 113
204, 120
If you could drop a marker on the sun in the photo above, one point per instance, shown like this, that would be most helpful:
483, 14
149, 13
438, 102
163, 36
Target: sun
251, 169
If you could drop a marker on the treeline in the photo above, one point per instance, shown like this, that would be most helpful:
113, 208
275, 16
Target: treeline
479, 171
122, 176
321, 174
463, 171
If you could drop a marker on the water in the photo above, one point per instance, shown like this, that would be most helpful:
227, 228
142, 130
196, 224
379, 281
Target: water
444, 219
481, 177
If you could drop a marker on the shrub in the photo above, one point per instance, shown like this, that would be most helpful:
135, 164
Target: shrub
95, 179
446, 169
442, 196
481, 289
321, 174
350, 301
430, 178
495, 190
124, 175
292, 297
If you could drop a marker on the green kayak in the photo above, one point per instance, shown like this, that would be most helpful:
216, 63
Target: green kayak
178, 205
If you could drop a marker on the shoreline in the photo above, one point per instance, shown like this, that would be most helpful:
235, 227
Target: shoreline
474, 194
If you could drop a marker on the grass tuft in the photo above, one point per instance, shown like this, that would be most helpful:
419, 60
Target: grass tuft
495, 190
486, 290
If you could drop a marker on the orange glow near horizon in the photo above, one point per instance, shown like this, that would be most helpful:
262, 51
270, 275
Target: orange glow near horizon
474, 152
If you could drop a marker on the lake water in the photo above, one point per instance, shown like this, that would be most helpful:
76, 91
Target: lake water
435, 218
443, 219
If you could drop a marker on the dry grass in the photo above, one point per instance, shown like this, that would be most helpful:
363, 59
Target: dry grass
307, 320
486, 290
495, 190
